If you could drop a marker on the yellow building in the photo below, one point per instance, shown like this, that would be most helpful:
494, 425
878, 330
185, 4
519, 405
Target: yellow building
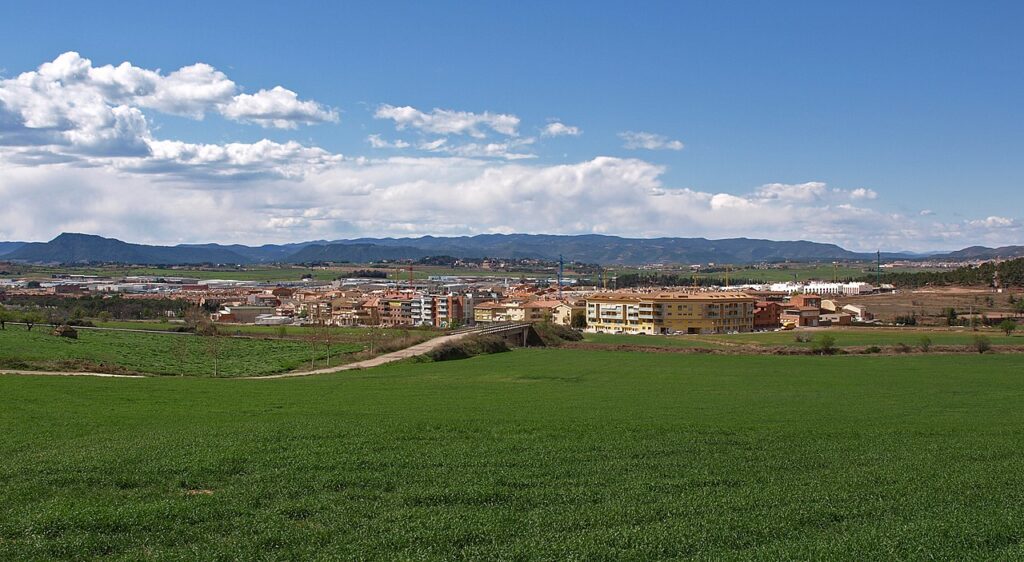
669, 313
556, 312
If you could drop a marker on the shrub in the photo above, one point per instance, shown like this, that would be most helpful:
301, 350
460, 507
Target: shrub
873, 349
901, 348
554, 335
826, 345
1008, 326
469, 347
982, 343
802, 338
925, 343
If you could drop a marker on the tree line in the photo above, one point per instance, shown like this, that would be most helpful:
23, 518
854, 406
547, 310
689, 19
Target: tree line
1011, 274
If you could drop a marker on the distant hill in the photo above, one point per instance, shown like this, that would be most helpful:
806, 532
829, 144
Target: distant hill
595, 248
355, 253
86, 248
983, 253
588, 248
8, 247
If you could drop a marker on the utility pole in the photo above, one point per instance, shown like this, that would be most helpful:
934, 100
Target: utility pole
878, 270
561, 271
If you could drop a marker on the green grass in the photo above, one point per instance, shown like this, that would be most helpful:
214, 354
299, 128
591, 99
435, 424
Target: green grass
868, 336
160, 354
649, 341
535, 454
345, 333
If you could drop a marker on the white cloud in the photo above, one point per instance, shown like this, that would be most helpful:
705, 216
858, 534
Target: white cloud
636, 140
77, 154
926, 213
98, 110
509, 150
279, 108
805, 192
994, 222
377, 142
449, 122
559, 129
863, 193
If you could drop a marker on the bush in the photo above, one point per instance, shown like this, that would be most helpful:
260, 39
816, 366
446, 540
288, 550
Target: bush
826, 345
925, 343
873, 349
901, 348
468, 347
553, 335
1008, 326
802, 338
982, 343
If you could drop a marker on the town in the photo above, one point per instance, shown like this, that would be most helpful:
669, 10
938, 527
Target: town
447, 302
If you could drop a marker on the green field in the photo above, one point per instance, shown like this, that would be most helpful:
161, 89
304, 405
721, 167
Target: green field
649, 341
534, 454
857, 337
160, 354
343, 333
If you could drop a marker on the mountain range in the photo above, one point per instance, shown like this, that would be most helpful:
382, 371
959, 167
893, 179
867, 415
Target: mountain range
71, 248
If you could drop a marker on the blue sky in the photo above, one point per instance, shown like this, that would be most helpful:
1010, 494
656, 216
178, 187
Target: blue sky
804, 120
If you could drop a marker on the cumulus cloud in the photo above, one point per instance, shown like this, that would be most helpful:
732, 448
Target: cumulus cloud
377, 142
635, 140
288, 192
98, 110
77, 154
863, 193
559, 129
994, 222
509, 150
449, 122
279, 108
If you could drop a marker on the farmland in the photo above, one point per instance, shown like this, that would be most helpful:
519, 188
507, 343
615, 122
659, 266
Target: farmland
804, 338
857, 337
552, 454
161, 354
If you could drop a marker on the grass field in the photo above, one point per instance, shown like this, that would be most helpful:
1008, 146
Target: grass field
535, 454
340, 332
857, 337
649, 341
160, 354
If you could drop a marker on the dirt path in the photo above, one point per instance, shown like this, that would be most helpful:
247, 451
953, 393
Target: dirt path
68, 374
407, 353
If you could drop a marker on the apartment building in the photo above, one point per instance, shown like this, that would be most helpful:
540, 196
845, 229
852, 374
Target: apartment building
667, 313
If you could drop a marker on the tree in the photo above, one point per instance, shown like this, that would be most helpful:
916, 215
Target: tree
1019, 307
950, 314
180, 347
1008, 326
982, 343
5, 317
214, 350
925, 343
578, 319
826, 345
31, 318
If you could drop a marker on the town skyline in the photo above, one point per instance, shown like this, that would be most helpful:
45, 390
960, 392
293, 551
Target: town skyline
864, 133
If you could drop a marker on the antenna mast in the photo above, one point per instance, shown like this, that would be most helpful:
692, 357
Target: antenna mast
561, 271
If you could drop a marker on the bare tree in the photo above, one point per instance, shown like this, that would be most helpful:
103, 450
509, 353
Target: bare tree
181, 351
214, 351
